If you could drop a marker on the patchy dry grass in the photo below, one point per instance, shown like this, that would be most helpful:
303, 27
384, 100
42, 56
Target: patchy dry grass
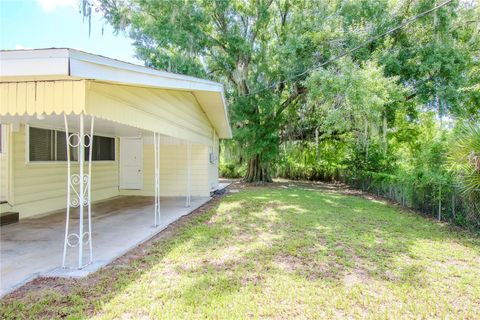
282, 252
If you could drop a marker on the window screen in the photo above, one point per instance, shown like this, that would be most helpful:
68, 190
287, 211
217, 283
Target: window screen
50, 145
103, 149
62, 147
41, 144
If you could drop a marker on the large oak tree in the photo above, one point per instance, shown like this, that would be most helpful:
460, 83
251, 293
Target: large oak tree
256, 47
265, 51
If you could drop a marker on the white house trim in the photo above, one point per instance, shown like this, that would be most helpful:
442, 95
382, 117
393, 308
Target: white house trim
62, 64
65, 90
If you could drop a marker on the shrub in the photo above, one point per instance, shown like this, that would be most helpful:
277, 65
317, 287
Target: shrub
231, 170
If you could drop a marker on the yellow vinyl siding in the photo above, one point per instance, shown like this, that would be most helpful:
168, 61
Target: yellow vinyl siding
37, 188
213, 167
173, 171
172, 113
4, 155
3, 177
41, 187
169, 112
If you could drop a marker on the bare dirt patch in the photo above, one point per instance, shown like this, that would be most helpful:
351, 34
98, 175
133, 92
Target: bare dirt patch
308, 267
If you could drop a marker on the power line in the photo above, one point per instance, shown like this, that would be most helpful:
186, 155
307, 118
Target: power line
345, 53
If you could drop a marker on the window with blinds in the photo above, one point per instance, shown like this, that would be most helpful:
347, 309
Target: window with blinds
42, 144
50, 145
103, 149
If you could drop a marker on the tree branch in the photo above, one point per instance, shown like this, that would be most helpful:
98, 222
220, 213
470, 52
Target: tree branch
287, 102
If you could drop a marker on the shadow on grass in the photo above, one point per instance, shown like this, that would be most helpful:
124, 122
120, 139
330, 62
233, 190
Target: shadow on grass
332, 237
243, 239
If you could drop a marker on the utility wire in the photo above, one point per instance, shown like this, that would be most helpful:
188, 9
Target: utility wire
345, 53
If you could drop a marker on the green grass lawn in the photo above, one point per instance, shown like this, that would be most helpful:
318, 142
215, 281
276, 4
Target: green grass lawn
281, 252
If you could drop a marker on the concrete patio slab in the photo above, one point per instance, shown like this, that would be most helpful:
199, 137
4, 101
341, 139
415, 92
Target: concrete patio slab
33, 247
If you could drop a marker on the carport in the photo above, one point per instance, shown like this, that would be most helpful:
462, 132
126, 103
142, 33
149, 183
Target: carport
33, 246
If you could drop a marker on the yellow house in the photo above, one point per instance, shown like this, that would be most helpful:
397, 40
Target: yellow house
78, 128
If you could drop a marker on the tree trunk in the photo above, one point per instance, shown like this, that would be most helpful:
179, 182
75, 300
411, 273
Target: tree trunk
257, 171
366, 139
385, 142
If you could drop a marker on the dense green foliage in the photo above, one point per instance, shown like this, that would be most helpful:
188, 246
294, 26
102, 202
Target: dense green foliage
391, 111
278, 252
397, 125
248, 45
398, 118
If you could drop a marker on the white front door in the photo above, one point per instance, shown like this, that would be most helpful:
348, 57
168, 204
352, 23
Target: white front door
131, 163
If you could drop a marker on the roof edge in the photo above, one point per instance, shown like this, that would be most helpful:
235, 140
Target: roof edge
67, 63
118, 64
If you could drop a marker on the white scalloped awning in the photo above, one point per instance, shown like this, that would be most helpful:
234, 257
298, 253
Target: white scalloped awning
169, 112
57, 81
42, 97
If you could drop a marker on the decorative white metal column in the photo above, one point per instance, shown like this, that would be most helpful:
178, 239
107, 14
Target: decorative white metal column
189, 174
79, 192
156, 143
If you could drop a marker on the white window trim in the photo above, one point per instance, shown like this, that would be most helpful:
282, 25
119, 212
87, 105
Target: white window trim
62, 162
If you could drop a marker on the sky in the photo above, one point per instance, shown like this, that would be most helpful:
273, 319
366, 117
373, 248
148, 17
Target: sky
26, 24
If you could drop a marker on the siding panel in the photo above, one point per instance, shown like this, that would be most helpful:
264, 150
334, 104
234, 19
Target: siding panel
213, 167
172, 113
40, 188
173, 171
4, 155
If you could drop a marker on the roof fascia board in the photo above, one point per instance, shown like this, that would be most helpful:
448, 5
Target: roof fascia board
47, 63
91, 66
64, 63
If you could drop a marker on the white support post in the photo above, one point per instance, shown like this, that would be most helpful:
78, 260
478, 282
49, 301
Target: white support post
189, 174
156, 146
69, 182
79, 191
81, 195
158, 177
155, 178
89, 195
